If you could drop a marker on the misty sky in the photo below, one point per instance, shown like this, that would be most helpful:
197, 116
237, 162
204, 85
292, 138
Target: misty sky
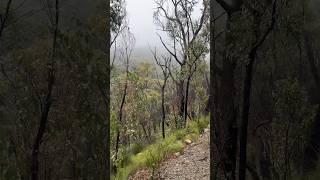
141, 22
140, 15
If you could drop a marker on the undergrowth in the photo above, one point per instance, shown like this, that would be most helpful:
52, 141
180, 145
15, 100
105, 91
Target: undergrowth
152, 155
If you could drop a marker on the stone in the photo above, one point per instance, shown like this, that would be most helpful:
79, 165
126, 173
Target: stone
188, 141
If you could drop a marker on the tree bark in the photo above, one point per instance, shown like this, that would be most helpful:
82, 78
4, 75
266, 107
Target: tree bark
245, 116
163, 111
186, 102
120, 121
180, 95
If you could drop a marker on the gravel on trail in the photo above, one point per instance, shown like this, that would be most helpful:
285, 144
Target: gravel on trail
192, 164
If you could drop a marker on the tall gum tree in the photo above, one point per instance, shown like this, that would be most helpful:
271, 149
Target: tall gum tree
177, 19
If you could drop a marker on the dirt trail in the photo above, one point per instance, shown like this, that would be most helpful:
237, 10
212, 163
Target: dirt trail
192, 164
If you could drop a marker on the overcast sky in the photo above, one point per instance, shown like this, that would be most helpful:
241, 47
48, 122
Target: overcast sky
140, 15
141, 22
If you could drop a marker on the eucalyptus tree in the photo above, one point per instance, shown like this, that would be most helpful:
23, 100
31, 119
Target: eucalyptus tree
128, 42
164, 63
117, 17
47, 100
224, 105
247, 86
177, 19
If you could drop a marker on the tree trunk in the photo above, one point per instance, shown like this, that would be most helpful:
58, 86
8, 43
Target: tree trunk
163, 111
47, 102
180, 95
228, 120
107, 158
247, 89
117, 150
38, 140
120, 116
245, 116
186, 102
223, 120
4, 18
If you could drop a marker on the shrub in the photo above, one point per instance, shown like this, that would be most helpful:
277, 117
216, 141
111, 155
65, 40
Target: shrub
152, 155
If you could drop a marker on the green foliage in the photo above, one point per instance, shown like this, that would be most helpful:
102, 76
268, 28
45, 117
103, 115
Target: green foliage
291, 126
152, 155
117, 14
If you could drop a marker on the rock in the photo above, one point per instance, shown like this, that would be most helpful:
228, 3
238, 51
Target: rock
177, 154
186, 162
188, 141
203, 159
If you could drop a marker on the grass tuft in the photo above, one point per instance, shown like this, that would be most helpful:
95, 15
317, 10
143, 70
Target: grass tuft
152, 155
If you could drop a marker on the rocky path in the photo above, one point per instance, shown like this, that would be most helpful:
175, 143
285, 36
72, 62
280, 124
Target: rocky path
192, 164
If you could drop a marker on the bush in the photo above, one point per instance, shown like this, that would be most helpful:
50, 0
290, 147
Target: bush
152, 155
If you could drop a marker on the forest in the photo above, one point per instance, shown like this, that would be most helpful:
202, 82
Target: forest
231, 92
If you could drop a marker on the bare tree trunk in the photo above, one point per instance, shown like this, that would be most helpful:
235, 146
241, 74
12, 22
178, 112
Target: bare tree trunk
213, 138
245, 116
120, 121
163, 111
186, 101
106, 171
145, 131
166, 74
126, 54
47, 101
180, 95
4, 17
223, 129
247, 92
229, 131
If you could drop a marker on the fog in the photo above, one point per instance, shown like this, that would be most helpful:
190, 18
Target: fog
141, 24
140, 15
